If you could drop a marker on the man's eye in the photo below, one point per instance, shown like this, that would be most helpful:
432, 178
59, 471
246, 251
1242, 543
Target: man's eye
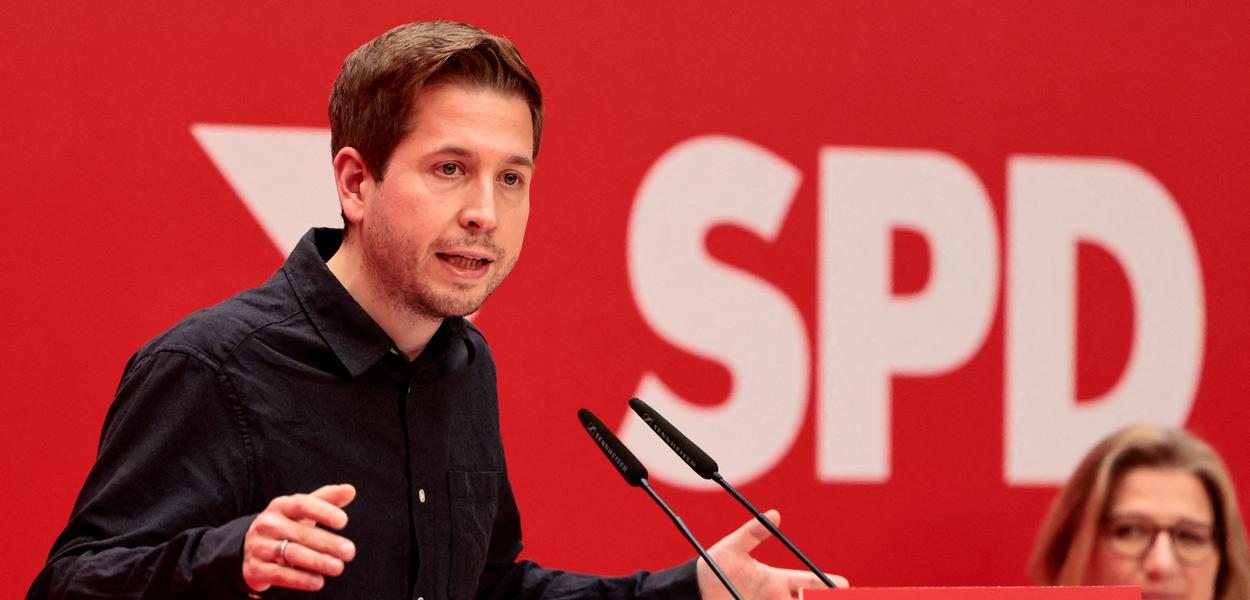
511, 178
449, 169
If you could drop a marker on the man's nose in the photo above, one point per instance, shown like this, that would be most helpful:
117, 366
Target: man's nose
1160, 560
478, 211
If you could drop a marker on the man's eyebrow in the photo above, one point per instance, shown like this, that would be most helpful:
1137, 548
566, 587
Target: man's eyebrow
521, 161
453, 150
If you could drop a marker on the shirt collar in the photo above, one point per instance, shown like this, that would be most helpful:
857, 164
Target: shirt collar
355, 338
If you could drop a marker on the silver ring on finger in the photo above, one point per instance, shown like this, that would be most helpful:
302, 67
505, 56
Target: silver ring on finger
280, 555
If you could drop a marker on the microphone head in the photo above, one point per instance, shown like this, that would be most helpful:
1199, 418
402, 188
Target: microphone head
620, 456
689, 453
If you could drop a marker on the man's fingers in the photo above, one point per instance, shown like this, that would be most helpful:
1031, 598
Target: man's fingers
306, 559
798, 580
285, 546
307, 506
339, 494
324, 542
262, 571
271, 527
774, 516
308, 536
261, 575
747, 537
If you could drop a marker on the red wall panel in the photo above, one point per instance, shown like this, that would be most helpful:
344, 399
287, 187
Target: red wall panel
120, 223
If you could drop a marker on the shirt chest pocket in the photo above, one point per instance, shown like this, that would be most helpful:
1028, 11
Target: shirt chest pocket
474, 497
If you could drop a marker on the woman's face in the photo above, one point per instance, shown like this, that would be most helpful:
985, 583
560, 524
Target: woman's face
1158, 533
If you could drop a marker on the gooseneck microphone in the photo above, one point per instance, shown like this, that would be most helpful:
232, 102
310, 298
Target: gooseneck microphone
705, 467
636, 475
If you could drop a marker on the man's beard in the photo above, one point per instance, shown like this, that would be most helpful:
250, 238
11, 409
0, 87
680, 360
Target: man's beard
401, 268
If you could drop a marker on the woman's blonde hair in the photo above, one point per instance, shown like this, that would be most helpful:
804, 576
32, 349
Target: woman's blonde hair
1069, 534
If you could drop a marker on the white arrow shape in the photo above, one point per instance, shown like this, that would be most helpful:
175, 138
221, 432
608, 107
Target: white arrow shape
282, 174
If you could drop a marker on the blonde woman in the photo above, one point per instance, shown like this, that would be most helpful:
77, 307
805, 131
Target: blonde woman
1151, 507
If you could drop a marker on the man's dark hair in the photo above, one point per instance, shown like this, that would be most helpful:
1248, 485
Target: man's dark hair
375, 91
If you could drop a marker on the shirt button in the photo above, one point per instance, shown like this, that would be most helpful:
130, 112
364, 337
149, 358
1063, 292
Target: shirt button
421, 497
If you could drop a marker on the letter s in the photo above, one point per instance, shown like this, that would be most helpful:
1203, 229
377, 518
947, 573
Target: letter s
715, 311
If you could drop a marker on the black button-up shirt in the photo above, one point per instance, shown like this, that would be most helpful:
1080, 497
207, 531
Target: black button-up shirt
282, 389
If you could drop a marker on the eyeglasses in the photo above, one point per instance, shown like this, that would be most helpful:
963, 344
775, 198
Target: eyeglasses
1133, 537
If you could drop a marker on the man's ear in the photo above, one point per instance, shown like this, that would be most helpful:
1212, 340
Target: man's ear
354, 184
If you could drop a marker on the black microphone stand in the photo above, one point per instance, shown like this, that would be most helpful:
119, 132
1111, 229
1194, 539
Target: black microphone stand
773, 529
690, 536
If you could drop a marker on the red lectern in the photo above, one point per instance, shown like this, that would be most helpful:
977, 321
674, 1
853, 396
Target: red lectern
976, 593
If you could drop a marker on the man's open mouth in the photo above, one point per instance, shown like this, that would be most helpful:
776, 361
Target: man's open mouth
464, 262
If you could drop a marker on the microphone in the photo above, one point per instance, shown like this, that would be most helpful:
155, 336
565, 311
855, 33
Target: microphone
705, 467
636, 475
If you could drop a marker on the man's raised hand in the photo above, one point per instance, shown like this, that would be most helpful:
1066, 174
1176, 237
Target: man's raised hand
754, 580
284, 546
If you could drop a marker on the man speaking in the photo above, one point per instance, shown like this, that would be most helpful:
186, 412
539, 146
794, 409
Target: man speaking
336, 429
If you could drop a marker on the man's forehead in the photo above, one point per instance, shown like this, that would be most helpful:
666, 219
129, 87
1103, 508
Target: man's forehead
465, 120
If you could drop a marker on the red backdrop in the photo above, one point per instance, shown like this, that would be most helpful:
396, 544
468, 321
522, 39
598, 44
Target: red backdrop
121, 221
